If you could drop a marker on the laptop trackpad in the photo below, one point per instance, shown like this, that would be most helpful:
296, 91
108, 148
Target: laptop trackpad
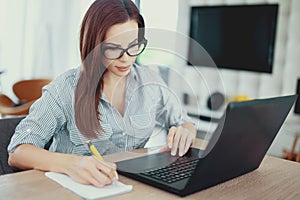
139, 165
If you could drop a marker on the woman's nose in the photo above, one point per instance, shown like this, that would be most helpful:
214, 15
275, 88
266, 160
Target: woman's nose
124, 57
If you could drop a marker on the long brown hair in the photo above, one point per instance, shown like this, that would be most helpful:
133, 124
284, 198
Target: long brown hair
101, 15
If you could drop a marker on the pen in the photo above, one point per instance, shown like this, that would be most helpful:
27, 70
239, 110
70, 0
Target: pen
96, 153
94, 150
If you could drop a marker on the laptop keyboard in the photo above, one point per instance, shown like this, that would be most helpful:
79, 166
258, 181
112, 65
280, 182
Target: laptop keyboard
180, 169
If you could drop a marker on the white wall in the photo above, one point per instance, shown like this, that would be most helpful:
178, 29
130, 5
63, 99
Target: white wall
286, 69
38, 38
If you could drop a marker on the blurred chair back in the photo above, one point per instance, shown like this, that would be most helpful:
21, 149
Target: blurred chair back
27, 91
7, 129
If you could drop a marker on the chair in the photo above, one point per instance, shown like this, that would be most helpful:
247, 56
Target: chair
7, 129
291, 154
27, 92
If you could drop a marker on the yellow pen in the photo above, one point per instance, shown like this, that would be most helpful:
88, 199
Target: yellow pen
94, 151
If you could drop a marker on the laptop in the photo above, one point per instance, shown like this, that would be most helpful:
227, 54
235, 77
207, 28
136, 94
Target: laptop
238, 145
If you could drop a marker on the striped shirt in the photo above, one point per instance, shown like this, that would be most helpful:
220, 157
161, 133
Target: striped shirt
148, 103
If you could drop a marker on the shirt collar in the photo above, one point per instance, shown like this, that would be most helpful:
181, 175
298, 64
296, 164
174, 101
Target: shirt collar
133, 74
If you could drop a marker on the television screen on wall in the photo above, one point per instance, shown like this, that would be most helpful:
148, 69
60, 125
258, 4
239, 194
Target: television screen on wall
240, 37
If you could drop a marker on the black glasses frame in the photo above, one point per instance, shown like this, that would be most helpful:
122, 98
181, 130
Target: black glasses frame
143, 42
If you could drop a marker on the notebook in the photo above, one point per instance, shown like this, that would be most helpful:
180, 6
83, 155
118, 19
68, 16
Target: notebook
238, 145
89, 191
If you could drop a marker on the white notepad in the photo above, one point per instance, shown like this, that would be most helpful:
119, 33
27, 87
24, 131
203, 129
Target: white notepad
89, 191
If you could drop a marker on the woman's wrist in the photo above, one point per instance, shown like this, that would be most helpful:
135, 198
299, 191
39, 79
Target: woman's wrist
62, 162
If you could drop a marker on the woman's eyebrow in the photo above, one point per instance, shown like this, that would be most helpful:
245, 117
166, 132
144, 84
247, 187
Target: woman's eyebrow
118, 45
112, 44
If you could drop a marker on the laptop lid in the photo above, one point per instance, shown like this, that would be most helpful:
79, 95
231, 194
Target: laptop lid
241, 140
244, 134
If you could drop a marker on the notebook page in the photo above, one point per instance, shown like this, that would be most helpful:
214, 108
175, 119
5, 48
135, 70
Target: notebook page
89, 191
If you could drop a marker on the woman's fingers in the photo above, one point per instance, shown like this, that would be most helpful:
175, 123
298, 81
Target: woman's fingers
96, 179
171, 135
90, 170
188, 143
176, 141
107, 168
179, 138
183, 141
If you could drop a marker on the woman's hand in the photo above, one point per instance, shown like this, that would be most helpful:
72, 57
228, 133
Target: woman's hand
90, 170
83, 169
180, 138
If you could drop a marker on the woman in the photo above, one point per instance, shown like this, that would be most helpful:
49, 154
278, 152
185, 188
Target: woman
109, 100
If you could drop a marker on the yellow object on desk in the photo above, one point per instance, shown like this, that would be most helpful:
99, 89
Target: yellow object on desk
94, 151
241, 98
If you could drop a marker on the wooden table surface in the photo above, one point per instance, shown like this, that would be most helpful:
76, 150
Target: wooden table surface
274, 179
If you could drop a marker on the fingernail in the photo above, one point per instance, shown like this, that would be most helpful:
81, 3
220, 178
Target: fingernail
180, 153
117, 176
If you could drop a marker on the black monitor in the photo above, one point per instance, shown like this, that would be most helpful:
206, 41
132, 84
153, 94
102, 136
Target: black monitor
240, 37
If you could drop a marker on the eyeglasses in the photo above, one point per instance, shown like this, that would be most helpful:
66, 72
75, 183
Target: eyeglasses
114, 53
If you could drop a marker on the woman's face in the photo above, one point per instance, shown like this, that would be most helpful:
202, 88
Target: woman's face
120, 36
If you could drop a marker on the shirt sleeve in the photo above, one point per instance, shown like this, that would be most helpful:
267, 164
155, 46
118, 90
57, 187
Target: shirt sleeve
46, 117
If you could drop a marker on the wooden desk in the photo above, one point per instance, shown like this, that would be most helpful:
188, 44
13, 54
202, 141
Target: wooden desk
274, 179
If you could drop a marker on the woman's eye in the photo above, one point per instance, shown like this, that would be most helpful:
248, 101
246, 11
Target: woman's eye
111, 48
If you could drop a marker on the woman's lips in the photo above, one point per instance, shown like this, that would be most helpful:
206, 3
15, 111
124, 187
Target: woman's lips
125, 68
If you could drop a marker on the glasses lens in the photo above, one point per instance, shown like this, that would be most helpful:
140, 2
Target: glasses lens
136, 49
112, 52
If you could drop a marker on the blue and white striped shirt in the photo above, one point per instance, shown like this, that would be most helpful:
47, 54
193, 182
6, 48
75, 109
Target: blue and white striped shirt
148, 103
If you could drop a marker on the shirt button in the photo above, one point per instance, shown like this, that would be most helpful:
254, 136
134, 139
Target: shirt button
123, 133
